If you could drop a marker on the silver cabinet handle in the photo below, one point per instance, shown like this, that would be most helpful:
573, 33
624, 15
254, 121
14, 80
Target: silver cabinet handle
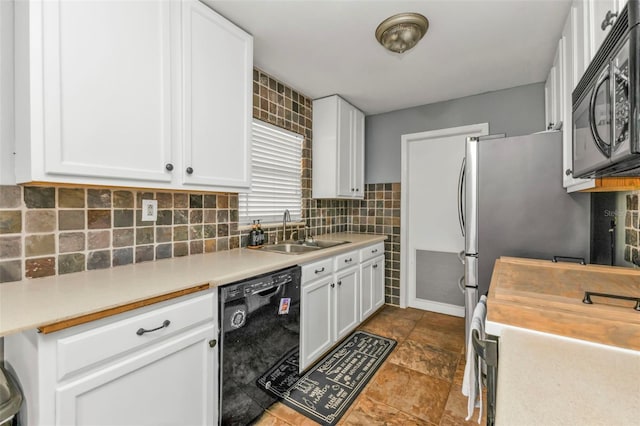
317, 271
141, 331
332, 285
339, 282
375, 265
568, 172
168, 166
348, 260
460, 195
189, 170
609, 19
374, 251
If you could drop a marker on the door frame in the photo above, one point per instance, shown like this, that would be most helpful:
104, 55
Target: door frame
407, 274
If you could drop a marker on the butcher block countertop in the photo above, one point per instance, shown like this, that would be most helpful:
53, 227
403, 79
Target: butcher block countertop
35, 303
547, 297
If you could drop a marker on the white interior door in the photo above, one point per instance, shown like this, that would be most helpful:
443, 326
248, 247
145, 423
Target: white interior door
430, 228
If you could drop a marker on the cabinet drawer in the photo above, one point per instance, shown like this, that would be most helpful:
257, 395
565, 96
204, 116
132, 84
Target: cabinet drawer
371, 251
347, 259
319, 269
92, 346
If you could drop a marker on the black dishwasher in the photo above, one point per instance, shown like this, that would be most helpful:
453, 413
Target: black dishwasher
259, 325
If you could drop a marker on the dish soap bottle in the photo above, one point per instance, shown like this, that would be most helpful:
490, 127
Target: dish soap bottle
253, 236
260, 234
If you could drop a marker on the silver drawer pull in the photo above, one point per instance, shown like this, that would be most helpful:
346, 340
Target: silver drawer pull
348, 260
374, 251
141, 331
317, 271
375, 266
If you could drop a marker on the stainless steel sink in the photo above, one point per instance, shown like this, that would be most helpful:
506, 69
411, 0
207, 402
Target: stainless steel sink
300, 247
290, 248
324, 243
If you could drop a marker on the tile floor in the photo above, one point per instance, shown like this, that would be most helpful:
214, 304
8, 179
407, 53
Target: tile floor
419, 384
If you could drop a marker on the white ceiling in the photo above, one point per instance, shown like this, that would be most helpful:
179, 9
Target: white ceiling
473, 46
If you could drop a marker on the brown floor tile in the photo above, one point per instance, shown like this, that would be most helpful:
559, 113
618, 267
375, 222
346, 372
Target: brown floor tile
407, 313
389, 326
370, 412
453, 342
441, 322
425, 359
289, 415
269, 420
419, 384
414, 393
455, 411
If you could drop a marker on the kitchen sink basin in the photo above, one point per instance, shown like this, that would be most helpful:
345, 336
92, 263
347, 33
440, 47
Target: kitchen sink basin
288, 248
324, 244
300, 247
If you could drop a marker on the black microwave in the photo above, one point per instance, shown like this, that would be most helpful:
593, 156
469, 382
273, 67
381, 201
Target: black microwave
606, 116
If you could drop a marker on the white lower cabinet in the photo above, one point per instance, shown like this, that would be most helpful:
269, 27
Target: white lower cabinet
164, 376
346, 301
335, 291
372, 286
316, 318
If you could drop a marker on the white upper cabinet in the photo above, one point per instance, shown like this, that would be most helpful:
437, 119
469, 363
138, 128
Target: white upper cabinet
586, 27
602, 14
134, 106
217, 67
338, 149
553, 90
574, 43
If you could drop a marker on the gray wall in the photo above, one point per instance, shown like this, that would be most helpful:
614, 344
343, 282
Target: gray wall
515, 111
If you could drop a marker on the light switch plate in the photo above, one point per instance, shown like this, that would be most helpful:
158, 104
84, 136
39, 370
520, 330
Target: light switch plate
149, 210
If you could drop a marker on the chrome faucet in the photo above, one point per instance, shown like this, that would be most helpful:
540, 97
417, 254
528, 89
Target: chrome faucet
286, 217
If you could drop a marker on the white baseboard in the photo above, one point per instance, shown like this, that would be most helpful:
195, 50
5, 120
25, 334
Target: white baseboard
441, 308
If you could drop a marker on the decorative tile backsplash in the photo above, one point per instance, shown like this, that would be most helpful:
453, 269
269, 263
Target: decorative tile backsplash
58, 230
53, 230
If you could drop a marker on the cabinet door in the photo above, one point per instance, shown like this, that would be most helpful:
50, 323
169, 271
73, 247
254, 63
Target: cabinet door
316, 319
357, 174
599, 10
576, 57
346, 302
580, 41
217, 74
172, 383
345, 147
548, 99
366, 289
104, 98
378, 282
371, 286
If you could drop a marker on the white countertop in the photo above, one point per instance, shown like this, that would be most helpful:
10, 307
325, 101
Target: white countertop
29, 304
549, 380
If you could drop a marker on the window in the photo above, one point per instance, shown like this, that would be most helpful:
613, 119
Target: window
276, 182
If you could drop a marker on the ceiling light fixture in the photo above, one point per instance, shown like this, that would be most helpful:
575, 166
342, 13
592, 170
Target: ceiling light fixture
401, 32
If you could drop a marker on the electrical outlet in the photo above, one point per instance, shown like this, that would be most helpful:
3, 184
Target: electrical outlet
149, 210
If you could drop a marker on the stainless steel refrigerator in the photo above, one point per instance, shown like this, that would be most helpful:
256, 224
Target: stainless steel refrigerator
512, 203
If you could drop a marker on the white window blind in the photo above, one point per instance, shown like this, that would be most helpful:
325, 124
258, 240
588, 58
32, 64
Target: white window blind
276, 161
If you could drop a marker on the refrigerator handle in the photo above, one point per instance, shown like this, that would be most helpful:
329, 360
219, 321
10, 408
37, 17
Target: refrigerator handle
461, 285
460, 196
